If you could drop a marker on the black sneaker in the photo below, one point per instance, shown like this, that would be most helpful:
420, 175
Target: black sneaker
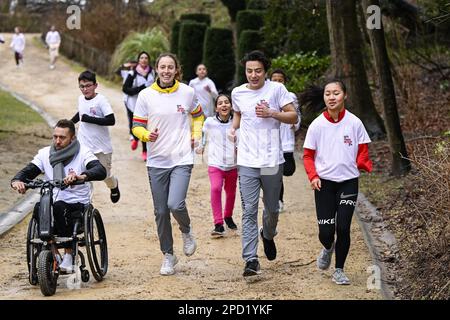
230, 223
218, 231
252, 268
269, 247
115, 194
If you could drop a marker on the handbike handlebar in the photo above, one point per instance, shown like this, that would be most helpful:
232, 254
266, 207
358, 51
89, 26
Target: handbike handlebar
35, 184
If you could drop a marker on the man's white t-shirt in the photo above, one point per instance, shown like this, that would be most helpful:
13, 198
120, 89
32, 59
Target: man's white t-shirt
336, 146
221, 151
204, 97
78, 193
53, 38
94, 136
260, 142
287, 131
170, 113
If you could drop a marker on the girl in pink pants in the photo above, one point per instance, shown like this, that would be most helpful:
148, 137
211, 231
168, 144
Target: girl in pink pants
222, 168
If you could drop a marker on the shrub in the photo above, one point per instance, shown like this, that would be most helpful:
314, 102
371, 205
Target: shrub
248, 41
192, 35
257, 4
292, 26
249, 20
198, 17
303, 69
218, 56
175, 37
153, 41
233, 7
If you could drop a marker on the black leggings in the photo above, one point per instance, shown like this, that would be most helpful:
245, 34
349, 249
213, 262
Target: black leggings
130, 126
18, 57
63, 223
289, 169
335, 203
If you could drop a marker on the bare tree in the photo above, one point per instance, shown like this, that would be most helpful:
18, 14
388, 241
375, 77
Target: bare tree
400, 165
347, 61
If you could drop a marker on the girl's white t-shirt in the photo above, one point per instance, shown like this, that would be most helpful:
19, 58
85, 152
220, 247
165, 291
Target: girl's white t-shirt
170, 113
221, 150
336, 146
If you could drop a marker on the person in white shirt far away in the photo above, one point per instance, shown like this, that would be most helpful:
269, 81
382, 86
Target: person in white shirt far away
53, 41
205, 90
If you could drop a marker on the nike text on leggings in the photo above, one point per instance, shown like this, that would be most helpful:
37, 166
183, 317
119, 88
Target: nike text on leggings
335, 203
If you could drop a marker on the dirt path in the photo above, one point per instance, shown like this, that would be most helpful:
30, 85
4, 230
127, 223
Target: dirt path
215, 271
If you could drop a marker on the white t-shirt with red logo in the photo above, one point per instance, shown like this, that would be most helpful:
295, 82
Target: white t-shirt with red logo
94, 136
336, 146
78, 193
221, 150
260, 142
170, 113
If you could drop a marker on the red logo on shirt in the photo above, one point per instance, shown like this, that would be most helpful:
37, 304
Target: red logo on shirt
348, 140
180, 108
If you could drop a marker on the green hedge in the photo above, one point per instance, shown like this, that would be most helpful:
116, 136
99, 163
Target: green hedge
192, 35
296, 26
257, 4
175, 37
249, 20
248, 41
218, 56
198, 17
233, 7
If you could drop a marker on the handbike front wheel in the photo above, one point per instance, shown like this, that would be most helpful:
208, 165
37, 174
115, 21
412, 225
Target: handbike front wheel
46, 273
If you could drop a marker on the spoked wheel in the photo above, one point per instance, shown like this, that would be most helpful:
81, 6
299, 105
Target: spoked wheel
46, 273
96, 246
33, 250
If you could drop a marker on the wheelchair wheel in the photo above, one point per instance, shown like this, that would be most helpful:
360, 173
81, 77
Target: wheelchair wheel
32, 251
46, 273
96, 246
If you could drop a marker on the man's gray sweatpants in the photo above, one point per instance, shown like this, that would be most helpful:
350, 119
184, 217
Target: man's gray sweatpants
250, 182
169, 188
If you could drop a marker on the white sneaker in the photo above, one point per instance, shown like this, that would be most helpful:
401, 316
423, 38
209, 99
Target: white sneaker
281, 205
66, 264
189, 244
169, 262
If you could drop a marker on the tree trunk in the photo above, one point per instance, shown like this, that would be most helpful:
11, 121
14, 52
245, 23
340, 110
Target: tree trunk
400, 165
347, 61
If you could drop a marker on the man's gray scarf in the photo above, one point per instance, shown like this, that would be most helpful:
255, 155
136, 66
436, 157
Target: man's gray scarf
60, 158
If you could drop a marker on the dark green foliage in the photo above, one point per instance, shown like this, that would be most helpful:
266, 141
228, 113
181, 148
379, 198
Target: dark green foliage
249, 20
248, 41
257, 4
303, 70
218, 56
175, 37
198, 17
292, 26
233, 7
190, 47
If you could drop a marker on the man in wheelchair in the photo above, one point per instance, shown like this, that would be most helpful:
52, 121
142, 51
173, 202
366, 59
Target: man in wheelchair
70, 162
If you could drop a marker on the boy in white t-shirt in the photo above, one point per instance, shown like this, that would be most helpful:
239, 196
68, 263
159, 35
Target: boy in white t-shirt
96, 114
259, 108
205, 90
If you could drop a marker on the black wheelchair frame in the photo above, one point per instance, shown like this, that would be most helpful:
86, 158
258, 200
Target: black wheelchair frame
43, 245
